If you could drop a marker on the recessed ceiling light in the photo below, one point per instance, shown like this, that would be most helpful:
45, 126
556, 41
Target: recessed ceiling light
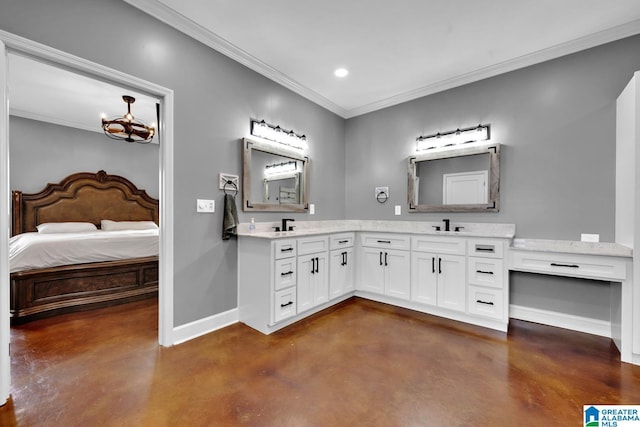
341, 72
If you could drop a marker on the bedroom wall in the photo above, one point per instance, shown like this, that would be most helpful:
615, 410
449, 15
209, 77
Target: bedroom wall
556, 121
33, 144
214, 99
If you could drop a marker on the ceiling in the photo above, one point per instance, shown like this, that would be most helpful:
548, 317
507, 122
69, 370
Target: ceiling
44, 92
395, 50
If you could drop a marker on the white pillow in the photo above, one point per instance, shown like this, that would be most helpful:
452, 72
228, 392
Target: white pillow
108, 225
65, 227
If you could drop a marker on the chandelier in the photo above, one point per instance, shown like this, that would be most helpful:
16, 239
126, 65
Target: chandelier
126, 127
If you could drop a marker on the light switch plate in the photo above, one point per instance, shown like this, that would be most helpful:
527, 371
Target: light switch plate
590, 237
206, 206
312, 209
398, 210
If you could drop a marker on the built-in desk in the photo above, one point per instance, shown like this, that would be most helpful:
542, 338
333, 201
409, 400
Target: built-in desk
609, 262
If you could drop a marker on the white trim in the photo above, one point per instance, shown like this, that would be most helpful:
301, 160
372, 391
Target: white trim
561, 320
183, 24
5, 221
54, 120
172, 18
204, 326
21, 46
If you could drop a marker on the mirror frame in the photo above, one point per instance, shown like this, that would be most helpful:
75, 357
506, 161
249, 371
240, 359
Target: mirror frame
493, 205
250, 144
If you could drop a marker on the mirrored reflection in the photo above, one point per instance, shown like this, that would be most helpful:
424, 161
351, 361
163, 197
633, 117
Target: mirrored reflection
274, 179
453, 181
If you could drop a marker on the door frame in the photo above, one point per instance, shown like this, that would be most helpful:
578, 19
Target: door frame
11, 43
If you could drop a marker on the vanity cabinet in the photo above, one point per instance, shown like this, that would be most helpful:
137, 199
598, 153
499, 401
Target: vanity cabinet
341, 265
487, 272
385, 265
438, 272
313, 272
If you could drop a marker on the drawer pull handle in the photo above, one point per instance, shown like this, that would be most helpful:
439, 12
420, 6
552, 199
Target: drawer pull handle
287, 273
384, 241
343, 241
286, 304
554, 264
286, 250
481, 249
484, 272
479, 301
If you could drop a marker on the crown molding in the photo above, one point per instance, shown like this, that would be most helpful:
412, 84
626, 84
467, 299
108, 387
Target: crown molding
612, 34
185, 25
170, 17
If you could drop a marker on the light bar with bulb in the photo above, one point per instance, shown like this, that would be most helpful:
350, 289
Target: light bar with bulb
264, 130
455, 137
289, 167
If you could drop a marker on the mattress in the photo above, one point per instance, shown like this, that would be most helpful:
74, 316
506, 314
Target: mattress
30, 251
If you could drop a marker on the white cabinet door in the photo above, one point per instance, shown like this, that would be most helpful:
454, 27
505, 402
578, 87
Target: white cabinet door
306, 264
313, 281
341, 272
424, 278
397, 274
372, 270
321, 279
451, 282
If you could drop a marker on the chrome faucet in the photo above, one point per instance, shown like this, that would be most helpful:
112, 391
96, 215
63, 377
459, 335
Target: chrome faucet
284, 224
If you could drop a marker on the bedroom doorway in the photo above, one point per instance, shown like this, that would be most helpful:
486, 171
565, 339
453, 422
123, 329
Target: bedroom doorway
11, 44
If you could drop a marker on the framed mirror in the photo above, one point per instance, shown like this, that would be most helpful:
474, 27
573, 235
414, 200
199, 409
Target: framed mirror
465, 179
274, 179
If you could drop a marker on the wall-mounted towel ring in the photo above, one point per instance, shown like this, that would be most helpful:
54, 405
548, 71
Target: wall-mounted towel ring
231, 188
382, 197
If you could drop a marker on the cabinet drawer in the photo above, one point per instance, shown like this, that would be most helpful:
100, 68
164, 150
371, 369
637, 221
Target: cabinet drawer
285, 248
284, 305
485, 272
439, 244
587, 266
285, 273
485, 248
388, 241
310, 245
486, 302
344, 240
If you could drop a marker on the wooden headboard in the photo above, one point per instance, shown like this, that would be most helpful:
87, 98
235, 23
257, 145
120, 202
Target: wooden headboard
83, 197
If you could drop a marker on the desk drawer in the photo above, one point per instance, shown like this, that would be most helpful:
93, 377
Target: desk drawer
486, 302
285, 273
485, 248
285, 248
572, 265
343, 240
385, 241
485, 272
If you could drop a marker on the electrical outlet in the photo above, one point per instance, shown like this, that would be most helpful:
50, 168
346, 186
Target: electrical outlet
398, 210
589, 237
312, 209
206, 206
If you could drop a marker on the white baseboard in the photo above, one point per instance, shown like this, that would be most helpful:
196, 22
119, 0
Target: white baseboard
201, 327
561, 320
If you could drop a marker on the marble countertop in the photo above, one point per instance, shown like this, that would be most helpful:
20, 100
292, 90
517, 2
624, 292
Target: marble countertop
572, 247
309, 228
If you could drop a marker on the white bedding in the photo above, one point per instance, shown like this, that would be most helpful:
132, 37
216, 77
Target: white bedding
28, 251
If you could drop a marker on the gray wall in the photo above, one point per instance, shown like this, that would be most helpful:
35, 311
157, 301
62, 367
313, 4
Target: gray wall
214, 99
42, 152
556, 121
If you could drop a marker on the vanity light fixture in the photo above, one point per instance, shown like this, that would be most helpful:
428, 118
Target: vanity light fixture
288, 168
126, 128
456, 137
278, 135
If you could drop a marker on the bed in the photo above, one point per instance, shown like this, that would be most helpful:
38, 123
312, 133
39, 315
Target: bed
49, 289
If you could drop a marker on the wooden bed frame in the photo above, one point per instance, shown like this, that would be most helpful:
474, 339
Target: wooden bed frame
83, 197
